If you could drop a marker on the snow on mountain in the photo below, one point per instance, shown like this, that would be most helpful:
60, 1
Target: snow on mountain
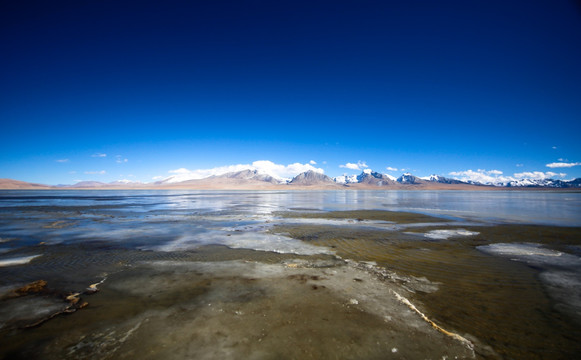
383, 176
345, 179
251, 175
374, 178
125, 182
432, 178
442, 180
239, 174
548, 183
408, 178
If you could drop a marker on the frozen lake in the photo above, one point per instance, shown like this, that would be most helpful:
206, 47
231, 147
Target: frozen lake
513, 254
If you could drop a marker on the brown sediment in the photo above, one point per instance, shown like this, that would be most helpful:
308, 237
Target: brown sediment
60, 224
32, 288
241, 309
494, 299
378, 215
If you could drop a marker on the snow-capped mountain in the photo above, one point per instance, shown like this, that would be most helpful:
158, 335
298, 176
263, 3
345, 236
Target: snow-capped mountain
246, 174
251, 175
256, 179
442, 180
374, 178
548, 183
408, 178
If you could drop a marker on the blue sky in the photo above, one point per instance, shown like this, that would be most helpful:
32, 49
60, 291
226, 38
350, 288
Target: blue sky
421, 86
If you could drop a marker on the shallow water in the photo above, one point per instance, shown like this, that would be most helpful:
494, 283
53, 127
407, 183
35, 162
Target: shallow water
474, 269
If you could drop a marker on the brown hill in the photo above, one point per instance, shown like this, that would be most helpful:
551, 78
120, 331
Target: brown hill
10, 184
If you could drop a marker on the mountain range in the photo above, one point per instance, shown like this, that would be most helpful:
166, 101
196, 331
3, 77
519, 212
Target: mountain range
255, 180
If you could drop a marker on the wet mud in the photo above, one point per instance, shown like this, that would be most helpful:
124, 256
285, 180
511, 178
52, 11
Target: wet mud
500, 301
311, 309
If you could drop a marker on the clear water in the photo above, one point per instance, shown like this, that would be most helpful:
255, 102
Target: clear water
171, 220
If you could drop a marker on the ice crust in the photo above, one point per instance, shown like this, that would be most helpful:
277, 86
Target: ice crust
17, 261
446, 234
560, 272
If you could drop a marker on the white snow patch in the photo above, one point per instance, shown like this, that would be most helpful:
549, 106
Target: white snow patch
17, 261
528, 249
446, 234
245, 240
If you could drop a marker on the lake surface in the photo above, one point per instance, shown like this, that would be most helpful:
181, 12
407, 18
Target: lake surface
488, 265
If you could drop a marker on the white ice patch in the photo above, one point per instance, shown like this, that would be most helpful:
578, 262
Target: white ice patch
532, 253
560, 272
338, 222
446, 234
17, 261
529, 249
245, 240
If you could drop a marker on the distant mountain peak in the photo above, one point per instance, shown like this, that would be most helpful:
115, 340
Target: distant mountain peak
374, 178
408, 178
250, 174
311, 177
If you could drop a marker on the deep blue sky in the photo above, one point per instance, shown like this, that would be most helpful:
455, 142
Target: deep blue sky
426, 86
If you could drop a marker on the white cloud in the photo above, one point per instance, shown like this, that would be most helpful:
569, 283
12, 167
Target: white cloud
494, 176
519, 165
538, 175
180, 171
62, 160
481, 176
99, 155
120, 160
360, 165
283, 171
102, 172
350, 166
554, 148
389, 168
313, 162
492, 172
263, 166
562, 165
